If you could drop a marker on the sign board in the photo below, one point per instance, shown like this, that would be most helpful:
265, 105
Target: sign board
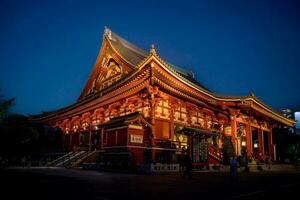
227, 131
136, 139
134, 126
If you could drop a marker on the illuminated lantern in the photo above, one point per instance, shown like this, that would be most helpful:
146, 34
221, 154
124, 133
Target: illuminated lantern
227, 131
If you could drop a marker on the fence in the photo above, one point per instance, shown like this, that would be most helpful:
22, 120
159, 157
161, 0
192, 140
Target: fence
159, 168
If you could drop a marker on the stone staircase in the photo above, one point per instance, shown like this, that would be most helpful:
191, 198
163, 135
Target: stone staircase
69, 160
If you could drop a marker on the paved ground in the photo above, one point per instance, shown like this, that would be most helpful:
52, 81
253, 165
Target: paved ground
59, 183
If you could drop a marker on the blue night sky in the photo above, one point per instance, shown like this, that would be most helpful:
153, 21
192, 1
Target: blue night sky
48, 48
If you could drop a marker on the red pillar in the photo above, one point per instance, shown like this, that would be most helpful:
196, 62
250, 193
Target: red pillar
248, 140
101, 137
90, 139
190, 138
70, 144
270, 140
116, 141
233, 134
79, 138
260, 143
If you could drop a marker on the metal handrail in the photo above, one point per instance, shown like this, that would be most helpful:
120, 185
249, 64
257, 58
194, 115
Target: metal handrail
58, 159
69, 159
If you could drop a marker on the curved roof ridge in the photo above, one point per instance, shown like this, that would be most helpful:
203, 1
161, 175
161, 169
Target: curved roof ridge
131, 46
112, 36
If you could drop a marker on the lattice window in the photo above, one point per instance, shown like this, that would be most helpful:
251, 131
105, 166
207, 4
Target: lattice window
162, 109
197, 119
180, 114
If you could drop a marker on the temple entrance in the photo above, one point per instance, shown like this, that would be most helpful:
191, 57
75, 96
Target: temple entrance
201, 144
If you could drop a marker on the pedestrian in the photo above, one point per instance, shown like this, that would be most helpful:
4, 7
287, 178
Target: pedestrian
246, 159
233, 169
23, 161
187, 166
28, 161
267, 160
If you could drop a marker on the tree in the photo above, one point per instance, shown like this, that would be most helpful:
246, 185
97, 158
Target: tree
17, 135
5, 104
20, 136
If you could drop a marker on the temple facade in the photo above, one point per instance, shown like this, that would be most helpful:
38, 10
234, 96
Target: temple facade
137, 108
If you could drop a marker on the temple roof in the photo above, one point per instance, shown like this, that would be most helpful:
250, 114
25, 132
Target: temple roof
135, 55
131, 53
137, 58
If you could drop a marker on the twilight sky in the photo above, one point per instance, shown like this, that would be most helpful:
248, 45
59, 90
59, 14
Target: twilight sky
48, 48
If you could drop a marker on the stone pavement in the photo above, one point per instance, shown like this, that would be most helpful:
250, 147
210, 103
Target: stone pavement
60, 183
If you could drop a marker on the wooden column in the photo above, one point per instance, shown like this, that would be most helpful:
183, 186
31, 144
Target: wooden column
233, 134
101, 137
252, 144
79, 138
70, 144
152, 136
270, 140
260, 143
248, 140
190, 138
90, 140
171, 112
116, 137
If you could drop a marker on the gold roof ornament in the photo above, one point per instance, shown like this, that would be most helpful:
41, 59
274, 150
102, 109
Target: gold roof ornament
152, 50
107, 32
251, 94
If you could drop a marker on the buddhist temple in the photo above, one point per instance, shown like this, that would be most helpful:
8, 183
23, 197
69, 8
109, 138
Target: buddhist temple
137, 108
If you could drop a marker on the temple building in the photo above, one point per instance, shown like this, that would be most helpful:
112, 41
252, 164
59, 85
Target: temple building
137, 108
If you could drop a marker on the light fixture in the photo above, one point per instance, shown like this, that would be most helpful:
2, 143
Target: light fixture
85, 125
243, 143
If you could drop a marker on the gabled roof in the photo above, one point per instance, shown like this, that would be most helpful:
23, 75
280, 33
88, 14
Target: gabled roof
138, 58
129, 52
135, 55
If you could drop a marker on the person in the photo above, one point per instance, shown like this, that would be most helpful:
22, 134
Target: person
29, 161
267, 161
187, 166
233, 169
23, 161
246, 159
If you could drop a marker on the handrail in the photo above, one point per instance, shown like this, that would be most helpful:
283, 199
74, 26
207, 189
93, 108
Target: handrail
67, 161
58, 159
83, 157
